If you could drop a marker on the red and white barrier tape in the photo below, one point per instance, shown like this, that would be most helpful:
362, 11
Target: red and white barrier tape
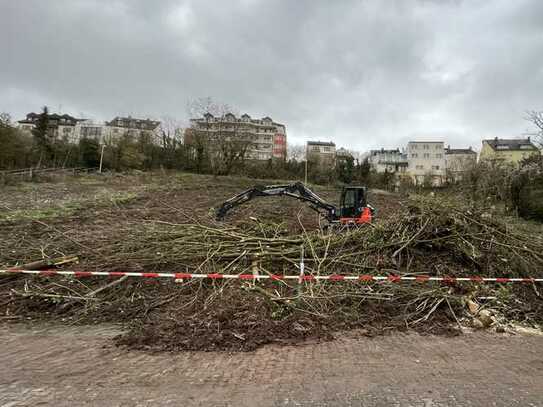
277, 277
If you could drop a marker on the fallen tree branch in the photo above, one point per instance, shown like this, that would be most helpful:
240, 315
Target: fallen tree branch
105, 287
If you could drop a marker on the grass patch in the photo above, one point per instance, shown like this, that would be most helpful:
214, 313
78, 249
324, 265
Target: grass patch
121, 198
65, 210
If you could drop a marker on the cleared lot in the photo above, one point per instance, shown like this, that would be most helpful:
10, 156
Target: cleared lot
153, 222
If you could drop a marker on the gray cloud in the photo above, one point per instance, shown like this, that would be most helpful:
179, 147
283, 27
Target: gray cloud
365, 74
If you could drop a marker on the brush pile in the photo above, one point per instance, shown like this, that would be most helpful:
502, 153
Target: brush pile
428, 236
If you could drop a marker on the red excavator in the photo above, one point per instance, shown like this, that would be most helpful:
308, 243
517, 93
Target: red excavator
353, 210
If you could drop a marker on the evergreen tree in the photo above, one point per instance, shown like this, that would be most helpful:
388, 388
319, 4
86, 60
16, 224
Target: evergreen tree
363, 171
345, 168
89, 152
42, 138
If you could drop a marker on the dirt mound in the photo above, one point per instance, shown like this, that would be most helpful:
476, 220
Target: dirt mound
237, 321
241, 321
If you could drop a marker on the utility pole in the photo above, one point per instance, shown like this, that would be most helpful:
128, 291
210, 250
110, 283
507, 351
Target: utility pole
101, 158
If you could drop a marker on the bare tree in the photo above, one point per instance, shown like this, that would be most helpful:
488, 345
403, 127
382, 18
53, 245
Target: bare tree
200, 106
219, 135
5, 119
459, 167
296, 152
170, 138
536, 118
233, 141
170, 132
196, 137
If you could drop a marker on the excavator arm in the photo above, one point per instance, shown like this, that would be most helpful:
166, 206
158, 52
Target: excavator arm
296, 190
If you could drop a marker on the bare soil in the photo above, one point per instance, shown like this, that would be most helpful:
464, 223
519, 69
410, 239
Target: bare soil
239, 320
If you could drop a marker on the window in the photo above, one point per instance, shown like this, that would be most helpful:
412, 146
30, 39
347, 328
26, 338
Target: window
426, 147
414, 155
420, 167
435, 167
439, 155
415, 146
426, 155
350, 198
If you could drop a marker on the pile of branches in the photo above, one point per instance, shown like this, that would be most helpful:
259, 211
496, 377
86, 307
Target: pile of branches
429, 236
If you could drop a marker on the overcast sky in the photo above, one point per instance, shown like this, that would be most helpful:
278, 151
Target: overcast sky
365, 74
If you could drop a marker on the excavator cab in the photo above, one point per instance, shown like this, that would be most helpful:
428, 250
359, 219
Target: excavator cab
354, 207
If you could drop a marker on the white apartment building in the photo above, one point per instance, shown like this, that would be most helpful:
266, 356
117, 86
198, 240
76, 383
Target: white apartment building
266, 139
323, 152
71, 129
426, 162
108, 132
388, 160
343, 152
121, 126
59, 126
92, 129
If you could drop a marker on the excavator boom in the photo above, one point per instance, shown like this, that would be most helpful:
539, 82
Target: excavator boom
353, 211
296, 190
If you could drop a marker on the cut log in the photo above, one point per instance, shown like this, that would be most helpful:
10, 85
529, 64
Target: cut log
39, 265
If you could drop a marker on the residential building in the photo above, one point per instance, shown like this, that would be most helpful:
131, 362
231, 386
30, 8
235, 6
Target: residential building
344, 158
383, 160
426, 162
362, 156
61, 126
92, 129
508, 150
130, 126
266, 138
72, 129
342, 154
458, 161
321, 152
